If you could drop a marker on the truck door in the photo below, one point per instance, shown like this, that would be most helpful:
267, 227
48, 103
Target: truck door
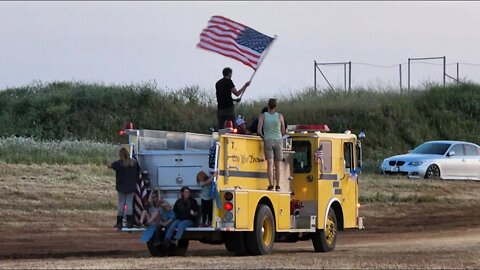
348, 192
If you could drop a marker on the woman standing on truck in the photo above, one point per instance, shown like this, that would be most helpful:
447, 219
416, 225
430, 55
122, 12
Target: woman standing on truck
186, 211
127, 172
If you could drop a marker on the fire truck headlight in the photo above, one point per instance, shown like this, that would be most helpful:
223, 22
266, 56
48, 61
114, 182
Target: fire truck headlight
358, 205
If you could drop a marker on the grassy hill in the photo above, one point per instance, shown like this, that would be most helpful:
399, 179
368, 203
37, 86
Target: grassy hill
393, 122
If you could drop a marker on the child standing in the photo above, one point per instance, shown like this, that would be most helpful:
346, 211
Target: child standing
205, 182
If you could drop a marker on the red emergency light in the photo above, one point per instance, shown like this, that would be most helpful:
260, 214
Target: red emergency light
321, 128
121, 132
228, 206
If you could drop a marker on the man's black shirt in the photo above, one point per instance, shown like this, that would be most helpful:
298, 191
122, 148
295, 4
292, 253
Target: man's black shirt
224, 93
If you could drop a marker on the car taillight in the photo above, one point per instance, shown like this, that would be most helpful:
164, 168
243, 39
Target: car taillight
228, 206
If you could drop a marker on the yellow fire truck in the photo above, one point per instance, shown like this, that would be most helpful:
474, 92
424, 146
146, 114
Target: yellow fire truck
318, 179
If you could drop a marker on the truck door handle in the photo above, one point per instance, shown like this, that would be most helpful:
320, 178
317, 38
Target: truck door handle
234, 167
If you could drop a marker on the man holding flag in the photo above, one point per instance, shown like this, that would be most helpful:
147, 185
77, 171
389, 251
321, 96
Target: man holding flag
240, 42
224, 88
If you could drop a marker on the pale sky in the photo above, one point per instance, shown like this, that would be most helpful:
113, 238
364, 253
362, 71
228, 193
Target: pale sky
135, 42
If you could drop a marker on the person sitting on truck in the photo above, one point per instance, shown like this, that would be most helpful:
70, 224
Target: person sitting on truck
271, 128
241, 125
252, 129
167, 215
186, 211
205, 182
127, 172
155, 210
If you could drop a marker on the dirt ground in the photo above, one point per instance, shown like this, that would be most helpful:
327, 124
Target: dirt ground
438, 234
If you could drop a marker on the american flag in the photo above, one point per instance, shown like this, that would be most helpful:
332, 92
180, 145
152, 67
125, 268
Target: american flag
234, 40
318, 154
138, 202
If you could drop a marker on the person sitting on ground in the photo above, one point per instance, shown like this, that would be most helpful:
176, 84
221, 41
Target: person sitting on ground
205, 182
186, 211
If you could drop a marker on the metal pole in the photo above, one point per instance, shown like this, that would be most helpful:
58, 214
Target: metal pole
408, 75
400, 69
457, 73
345, 77
349, 76
315, 75
444, 69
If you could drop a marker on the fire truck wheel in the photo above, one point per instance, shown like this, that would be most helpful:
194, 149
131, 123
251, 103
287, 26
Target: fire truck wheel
324, 240
236, 242
155, 250
260, 241
182, 247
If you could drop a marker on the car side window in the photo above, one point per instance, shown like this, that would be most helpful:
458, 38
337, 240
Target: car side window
458, 148
470, 150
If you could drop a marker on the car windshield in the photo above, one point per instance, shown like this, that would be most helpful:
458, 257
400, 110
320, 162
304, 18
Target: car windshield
431, 148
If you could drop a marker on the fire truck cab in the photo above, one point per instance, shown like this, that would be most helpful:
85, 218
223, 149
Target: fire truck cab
318, 180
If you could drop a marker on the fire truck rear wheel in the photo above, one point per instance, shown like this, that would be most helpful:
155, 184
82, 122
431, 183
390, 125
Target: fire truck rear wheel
236, 242
182, 247
260, 241
324, 240
155, 250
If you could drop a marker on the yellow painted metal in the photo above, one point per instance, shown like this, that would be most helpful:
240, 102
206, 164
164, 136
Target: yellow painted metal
267, 231
242, 214
242, 167
283, 212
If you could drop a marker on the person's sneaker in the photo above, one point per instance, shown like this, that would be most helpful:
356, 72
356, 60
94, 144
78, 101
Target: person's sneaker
277, 188
174, 242
270, 188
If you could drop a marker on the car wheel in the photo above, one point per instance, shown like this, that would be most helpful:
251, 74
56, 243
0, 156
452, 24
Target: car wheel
433, 172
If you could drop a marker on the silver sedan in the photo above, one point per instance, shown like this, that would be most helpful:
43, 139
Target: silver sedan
437, 160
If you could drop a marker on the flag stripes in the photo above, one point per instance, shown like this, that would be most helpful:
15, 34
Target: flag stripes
235, 40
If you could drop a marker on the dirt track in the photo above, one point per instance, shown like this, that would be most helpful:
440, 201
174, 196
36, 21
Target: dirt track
49, 220
399, 243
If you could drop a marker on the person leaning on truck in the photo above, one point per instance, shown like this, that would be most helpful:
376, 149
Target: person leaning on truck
127, 172
224, 89
271, 127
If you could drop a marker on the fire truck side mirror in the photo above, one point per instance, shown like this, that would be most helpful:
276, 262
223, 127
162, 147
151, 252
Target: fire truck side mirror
361, 136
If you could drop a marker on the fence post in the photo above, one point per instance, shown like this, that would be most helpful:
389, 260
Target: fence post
315, 75
400, 69
408, 88
444, 69
349, 76
458, 79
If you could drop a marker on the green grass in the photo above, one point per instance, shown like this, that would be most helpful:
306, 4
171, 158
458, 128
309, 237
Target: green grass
30, 151
393, 122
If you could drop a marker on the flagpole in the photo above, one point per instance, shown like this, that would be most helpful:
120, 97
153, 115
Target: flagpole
261, 60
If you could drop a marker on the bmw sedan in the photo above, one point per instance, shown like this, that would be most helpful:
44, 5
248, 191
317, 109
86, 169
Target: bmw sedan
437, 160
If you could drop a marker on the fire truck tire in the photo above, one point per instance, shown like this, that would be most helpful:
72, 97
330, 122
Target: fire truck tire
155, 250
260, 241
181, 248
324, 240
236, 242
